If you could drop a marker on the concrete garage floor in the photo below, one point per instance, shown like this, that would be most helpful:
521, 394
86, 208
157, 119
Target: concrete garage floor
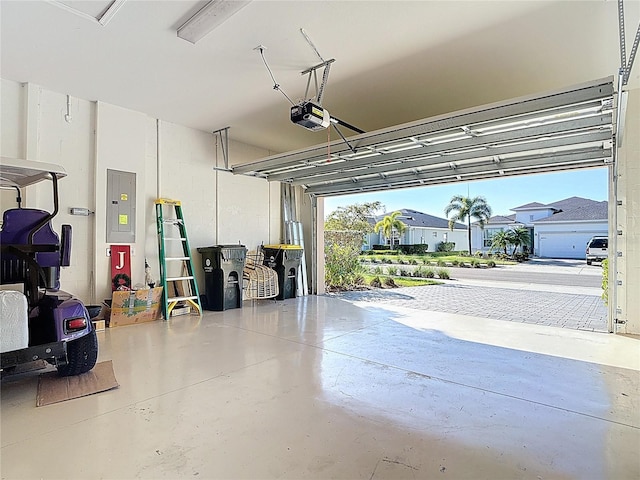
318, 387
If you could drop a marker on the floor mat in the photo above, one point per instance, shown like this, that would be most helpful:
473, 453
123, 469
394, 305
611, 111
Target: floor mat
53, 388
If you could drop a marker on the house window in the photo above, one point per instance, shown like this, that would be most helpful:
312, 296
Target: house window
487, 234
531, 218
435, 234
394, 240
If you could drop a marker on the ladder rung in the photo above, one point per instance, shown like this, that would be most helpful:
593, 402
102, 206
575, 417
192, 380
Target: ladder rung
172, 220
182, 239
180, 299
177, 258
178, 278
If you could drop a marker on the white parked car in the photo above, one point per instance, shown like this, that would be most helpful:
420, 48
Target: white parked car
597, 249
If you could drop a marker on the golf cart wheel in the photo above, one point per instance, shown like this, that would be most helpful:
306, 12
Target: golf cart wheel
82, 354
588, 262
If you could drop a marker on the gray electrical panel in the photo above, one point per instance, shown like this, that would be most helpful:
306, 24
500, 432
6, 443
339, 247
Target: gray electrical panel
121, 207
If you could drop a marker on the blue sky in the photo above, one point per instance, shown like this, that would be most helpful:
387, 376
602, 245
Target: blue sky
501, 194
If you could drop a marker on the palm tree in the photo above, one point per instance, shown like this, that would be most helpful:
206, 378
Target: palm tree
389, 224
465, 208
519, 236
500, 241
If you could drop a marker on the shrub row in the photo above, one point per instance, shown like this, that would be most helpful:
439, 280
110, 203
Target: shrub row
420, 272
473, 262
413, 249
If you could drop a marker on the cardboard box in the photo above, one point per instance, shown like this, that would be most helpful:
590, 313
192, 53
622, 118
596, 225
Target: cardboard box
179, 310
129, 307
99, 325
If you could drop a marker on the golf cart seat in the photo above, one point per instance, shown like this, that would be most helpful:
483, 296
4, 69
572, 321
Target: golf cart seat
45, 247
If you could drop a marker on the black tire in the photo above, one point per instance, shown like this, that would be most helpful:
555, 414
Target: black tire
588, 262
81, 354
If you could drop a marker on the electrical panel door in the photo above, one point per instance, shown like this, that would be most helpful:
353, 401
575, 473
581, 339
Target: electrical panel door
121, 207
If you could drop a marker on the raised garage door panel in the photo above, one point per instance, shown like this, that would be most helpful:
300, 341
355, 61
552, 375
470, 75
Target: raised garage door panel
561, 130
564, 244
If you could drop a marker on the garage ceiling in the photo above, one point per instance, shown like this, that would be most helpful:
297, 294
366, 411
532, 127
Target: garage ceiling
396, 61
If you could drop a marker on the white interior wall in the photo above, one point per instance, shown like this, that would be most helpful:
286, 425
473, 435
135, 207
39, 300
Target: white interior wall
247, 207
11, 130
12, 119
120, 145
72, 144
218, 207
168, 160
34, 127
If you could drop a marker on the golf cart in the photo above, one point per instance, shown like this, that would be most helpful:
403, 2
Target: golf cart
38, 321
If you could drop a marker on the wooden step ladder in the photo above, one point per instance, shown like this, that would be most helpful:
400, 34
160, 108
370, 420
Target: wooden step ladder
171, 231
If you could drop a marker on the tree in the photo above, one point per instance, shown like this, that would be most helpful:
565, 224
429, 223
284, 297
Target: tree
390, 224
513, 237
517, 237
500, 241
353, 217
345, 229
465, 208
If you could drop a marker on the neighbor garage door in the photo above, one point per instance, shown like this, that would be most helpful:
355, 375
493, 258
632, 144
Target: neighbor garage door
564, 245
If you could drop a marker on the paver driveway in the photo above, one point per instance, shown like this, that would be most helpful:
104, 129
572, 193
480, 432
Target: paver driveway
582, 312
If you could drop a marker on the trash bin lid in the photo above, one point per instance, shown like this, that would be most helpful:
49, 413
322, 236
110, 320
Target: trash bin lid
283, 246
217, 248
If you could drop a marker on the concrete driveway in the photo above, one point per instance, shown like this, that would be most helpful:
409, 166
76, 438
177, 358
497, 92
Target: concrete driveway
559, 266
545, 274
559, 293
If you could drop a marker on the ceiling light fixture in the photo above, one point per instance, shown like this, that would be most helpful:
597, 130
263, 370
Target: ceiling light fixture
212, 15
102, 18
110, 12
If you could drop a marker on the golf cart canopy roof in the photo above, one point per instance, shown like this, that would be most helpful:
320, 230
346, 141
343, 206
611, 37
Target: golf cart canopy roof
20, 173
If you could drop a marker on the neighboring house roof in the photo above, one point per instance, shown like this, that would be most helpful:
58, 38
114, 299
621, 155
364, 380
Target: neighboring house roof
413, 218
589, 210
572, 202
532, 205
497, 220
500, 219
564, 204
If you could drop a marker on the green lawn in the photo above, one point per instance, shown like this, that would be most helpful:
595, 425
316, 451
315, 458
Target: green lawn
430, 259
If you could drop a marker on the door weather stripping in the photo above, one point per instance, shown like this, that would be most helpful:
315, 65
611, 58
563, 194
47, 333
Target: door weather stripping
564, 129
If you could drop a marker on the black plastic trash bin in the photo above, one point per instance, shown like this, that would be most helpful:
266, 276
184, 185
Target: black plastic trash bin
285, 260
223, 265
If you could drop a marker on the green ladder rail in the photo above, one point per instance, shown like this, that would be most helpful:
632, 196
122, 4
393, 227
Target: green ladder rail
175, 226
